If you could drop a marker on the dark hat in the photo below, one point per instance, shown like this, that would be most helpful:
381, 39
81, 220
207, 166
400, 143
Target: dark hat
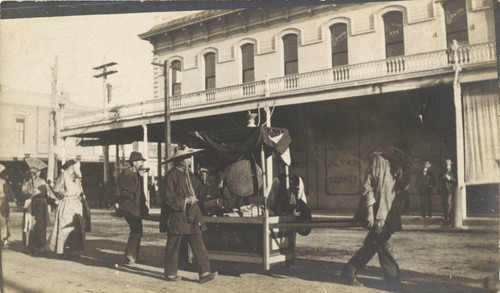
183, 152
136, 156
68, 164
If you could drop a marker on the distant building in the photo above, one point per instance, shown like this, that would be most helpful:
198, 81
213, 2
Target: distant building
24, 129
24, 126
345, 79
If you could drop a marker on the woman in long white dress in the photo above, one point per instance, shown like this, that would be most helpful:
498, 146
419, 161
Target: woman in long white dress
68, 236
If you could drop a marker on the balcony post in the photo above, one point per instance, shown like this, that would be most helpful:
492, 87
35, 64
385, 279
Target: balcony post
146, 156
159, 171
63, 151
266, 89
117, 161
459, 202
269, 160
105, 179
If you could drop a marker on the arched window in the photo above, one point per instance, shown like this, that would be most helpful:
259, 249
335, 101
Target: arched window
176, 77
455, 15
291, 55
394, 34
247, 57
339, 44
209, 70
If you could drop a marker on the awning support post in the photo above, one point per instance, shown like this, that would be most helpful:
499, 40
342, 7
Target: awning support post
459, 201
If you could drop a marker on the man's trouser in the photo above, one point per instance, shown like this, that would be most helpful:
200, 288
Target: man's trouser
172, 253
134, 238
377, 243
446, 204
426, 204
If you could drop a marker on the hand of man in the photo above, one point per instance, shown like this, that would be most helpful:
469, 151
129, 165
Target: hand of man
191, 200
379, 224
370, 219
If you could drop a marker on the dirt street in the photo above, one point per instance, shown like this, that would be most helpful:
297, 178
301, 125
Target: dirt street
431, 258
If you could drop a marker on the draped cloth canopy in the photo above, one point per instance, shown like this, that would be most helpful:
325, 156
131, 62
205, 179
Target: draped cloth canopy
232, 144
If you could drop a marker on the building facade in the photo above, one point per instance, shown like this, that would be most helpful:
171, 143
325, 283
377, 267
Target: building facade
346, 80
24, 128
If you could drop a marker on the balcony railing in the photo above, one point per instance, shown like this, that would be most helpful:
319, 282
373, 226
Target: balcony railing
332, 77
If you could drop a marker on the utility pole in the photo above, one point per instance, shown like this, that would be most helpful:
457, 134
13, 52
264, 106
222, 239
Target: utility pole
168, 139
106, 87
106, 100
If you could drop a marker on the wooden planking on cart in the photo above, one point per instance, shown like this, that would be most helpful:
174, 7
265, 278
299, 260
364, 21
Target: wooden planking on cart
331, 223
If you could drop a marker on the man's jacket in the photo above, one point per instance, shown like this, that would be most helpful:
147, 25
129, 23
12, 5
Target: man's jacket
183, 218
130, 194
381, 191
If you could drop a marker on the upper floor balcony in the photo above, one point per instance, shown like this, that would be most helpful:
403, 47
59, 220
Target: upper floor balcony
398, 68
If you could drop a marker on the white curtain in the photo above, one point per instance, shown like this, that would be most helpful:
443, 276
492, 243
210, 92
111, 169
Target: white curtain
482, 132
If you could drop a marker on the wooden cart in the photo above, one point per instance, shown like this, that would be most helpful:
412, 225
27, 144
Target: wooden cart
249, 240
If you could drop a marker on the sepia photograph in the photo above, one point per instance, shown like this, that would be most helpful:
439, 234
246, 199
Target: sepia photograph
244, 146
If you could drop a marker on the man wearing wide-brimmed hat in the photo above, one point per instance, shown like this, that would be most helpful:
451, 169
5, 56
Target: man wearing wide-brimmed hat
184, 215
36, 213
131, 202
379, 211
6, 195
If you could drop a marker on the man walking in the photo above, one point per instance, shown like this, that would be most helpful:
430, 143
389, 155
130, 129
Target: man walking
379, 211
184, 216
131, 202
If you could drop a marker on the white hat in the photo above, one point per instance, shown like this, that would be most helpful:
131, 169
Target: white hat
35, 163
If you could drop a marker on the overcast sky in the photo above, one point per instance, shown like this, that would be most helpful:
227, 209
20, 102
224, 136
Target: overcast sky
28, 48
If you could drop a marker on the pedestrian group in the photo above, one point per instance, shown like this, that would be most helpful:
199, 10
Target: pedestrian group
383, 200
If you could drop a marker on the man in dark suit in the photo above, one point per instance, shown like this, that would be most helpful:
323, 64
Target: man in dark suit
131, 202
184, 216
448, 183
425, 182
379, 211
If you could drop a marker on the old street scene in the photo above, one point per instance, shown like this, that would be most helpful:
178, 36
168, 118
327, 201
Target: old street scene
336, 147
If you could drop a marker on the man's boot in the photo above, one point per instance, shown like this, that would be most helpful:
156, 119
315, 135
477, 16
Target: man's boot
348, 276
393, 284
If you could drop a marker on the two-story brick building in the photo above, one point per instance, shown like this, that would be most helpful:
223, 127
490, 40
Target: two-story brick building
346, 80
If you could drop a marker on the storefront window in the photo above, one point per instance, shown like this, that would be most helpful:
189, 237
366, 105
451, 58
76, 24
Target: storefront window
455, 15
20, 131
176, 77
291, 54
247, 53
394, 34
209, 71
339, 44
